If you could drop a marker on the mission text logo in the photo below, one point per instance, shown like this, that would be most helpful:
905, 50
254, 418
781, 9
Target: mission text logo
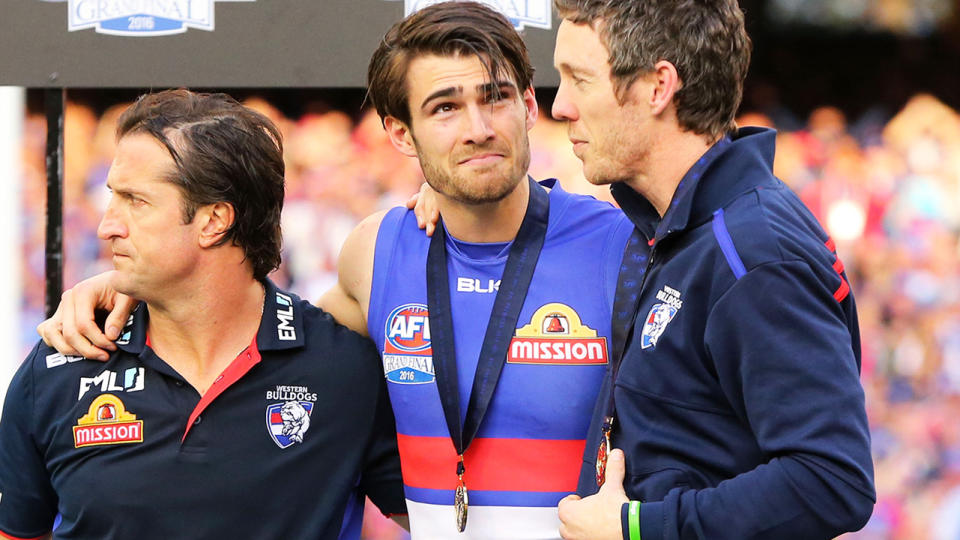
107, 422
556, 335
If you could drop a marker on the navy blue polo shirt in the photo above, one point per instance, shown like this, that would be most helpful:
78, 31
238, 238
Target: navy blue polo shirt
283, 445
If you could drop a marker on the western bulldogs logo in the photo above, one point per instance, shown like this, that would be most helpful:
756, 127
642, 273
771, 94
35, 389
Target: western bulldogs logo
288, 422
660, 315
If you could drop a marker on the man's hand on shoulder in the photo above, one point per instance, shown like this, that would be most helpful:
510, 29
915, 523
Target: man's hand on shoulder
596, 517
424, 206
73, 329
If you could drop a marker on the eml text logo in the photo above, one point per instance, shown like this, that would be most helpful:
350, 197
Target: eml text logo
285, 331
142, 17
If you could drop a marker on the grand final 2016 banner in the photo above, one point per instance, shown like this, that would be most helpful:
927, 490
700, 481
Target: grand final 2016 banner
219, 43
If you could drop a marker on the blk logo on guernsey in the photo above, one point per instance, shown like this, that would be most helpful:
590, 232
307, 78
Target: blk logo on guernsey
474, 285
407, 355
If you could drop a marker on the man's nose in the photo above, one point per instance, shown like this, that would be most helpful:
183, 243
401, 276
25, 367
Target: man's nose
110, 224
563, 108
479, 127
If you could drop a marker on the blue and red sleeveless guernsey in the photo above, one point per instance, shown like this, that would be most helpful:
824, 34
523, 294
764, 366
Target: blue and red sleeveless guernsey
530, 445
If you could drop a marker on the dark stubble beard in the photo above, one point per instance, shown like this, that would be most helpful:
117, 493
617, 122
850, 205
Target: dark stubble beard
467, 192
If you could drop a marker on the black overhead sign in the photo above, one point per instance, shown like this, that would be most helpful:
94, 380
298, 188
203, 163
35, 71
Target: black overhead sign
217, 43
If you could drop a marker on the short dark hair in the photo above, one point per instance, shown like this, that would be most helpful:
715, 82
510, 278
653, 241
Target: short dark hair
224, 152
704, 39
445, 29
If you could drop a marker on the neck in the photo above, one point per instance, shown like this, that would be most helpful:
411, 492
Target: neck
669, 159
488, 222
200, 330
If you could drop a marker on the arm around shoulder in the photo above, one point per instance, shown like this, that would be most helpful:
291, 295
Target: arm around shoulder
349, 299
381, 478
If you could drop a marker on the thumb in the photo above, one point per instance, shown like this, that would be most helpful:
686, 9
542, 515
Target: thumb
616, 470
118, 316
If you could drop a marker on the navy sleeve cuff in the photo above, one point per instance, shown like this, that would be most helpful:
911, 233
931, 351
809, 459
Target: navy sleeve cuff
651, 520
624, 520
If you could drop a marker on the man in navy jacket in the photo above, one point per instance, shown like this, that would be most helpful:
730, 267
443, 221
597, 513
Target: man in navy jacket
737, 403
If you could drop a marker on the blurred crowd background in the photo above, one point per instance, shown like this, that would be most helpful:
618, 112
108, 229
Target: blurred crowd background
888, 192
864, 94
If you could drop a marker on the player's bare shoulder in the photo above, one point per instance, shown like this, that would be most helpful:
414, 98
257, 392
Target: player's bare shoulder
349, 298
355, 266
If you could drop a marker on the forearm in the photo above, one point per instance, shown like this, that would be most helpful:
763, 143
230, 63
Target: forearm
789, 497
789, 373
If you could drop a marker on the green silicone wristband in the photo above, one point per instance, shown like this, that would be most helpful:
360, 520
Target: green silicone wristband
633, 520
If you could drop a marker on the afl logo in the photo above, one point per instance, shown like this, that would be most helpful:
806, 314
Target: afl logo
408, 328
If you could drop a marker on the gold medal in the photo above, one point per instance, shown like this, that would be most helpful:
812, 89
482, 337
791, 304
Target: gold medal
603, 451
461, 502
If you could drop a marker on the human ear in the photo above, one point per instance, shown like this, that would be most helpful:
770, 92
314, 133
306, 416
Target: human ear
533, 111
400, 135
666, 82
217, 219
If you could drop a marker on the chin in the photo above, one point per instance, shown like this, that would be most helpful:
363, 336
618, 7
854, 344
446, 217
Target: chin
604, 173
598, 179
123, 284
485, 191
487, 197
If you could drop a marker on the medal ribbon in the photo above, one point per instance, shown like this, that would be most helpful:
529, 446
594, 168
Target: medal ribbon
521, 262
625, 304
630, 282
627, 298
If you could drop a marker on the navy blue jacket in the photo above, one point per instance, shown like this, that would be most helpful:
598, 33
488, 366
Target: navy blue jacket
738, 403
